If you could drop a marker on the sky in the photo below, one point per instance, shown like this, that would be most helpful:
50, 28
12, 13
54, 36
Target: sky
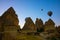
32, 8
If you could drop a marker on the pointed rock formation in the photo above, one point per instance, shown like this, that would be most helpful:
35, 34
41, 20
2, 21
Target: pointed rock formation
39, 25
9, 24
10, 18
29, 25
49, 26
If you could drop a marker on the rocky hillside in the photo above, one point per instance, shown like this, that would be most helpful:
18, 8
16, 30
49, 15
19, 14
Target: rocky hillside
10, 30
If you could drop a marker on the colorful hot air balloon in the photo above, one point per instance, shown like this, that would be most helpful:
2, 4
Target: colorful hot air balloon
50, 13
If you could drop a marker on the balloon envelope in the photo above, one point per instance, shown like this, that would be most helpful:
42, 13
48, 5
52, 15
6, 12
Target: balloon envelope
41, 9
50, 13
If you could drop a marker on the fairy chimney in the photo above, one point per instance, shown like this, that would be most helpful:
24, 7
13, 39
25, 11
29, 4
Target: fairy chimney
39, 25
9, 24
29, 26
49, 26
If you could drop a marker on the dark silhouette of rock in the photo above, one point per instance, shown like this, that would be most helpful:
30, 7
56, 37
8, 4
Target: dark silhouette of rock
0, 24
49, 26
1, 28
29, 25
39, 25
9, 24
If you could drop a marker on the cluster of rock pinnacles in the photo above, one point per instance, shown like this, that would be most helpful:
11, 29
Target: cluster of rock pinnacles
9, 27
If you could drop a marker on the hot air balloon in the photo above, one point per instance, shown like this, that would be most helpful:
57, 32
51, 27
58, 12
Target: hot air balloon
41, 9
50, 13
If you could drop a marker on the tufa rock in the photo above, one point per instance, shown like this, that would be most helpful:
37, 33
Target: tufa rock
9, 25
57, 34
39, 25
58, 29
49, 26
9, 17
29, 25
